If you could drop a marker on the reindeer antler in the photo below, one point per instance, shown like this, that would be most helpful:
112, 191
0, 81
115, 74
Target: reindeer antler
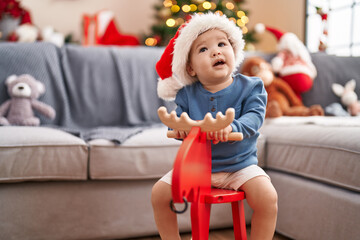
208, 124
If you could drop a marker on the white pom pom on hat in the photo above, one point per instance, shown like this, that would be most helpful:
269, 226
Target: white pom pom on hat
259, 28
172, 65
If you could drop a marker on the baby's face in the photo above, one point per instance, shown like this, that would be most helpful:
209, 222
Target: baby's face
211, 58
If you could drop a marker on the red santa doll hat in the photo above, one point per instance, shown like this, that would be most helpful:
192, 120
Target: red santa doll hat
286, 40
260, 28
172, 65
290, 42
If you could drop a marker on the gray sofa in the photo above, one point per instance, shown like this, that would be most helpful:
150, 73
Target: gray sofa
314, 162
88, 173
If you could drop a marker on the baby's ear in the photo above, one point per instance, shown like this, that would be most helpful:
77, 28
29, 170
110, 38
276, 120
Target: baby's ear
190, 70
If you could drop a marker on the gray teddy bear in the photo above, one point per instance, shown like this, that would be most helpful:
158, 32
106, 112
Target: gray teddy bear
18, 110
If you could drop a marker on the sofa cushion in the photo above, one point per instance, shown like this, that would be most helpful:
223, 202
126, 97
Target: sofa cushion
325, 152
149, 154
261, 154
312, 210
39, 153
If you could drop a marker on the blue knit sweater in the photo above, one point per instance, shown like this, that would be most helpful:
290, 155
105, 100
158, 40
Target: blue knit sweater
248, 97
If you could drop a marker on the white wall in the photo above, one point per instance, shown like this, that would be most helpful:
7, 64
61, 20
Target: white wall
286, 15
136, 16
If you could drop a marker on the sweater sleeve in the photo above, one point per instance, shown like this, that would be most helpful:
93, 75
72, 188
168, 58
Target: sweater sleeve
181, 102
253, 110
181, 105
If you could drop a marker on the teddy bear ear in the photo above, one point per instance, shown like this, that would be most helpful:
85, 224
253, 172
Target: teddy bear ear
10, 79
338, 89
41, 87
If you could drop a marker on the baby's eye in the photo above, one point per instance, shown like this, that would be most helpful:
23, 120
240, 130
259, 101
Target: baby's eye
221, 44
203, 49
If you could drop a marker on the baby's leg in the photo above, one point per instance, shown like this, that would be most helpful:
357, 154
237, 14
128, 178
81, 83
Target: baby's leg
262, 198
166, 220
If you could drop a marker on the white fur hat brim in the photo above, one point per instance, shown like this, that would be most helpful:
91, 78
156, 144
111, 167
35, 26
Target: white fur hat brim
289, 41
199, 24
167, 88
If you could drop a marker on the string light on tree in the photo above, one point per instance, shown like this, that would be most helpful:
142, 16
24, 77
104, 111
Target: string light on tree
193, 7
206, 5
175, 8
230, 5
186, 8
151, 42
170, 14
170, 22
167, 3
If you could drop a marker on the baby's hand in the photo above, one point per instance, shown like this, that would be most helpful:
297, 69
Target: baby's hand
180, 134
221, 135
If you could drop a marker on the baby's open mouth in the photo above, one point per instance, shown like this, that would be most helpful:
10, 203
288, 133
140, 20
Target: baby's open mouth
220, 62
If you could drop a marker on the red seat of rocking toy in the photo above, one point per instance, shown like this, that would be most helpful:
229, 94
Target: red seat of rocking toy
218, 195
191, 182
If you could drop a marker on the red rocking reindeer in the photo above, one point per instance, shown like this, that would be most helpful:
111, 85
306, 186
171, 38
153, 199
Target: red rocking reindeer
191, 180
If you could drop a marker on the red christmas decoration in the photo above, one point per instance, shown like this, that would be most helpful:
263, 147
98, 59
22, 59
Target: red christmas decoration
101, 29
13, 9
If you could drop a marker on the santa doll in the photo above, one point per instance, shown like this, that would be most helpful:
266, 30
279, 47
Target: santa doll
293, 62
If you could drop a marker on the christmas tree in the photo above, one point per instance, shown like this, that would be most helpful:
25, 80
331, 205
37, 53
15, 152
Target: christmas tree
170, 14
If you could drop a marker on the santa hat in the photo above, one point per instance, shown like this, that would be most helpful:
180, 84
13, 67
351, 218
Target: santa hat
260, 28
288, 41
172, 65
26, 17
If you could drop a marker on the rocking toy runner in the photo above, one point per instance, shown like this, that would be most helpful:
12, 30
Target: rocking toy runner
191, 181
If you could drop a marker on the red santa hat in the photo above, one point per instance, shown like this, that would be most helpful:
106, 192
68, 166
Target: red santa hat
260, 28
172, 65
290, 42
286, 40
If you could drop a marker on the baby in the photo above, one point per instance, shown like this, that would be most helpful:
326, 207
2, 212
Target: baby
196, 70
